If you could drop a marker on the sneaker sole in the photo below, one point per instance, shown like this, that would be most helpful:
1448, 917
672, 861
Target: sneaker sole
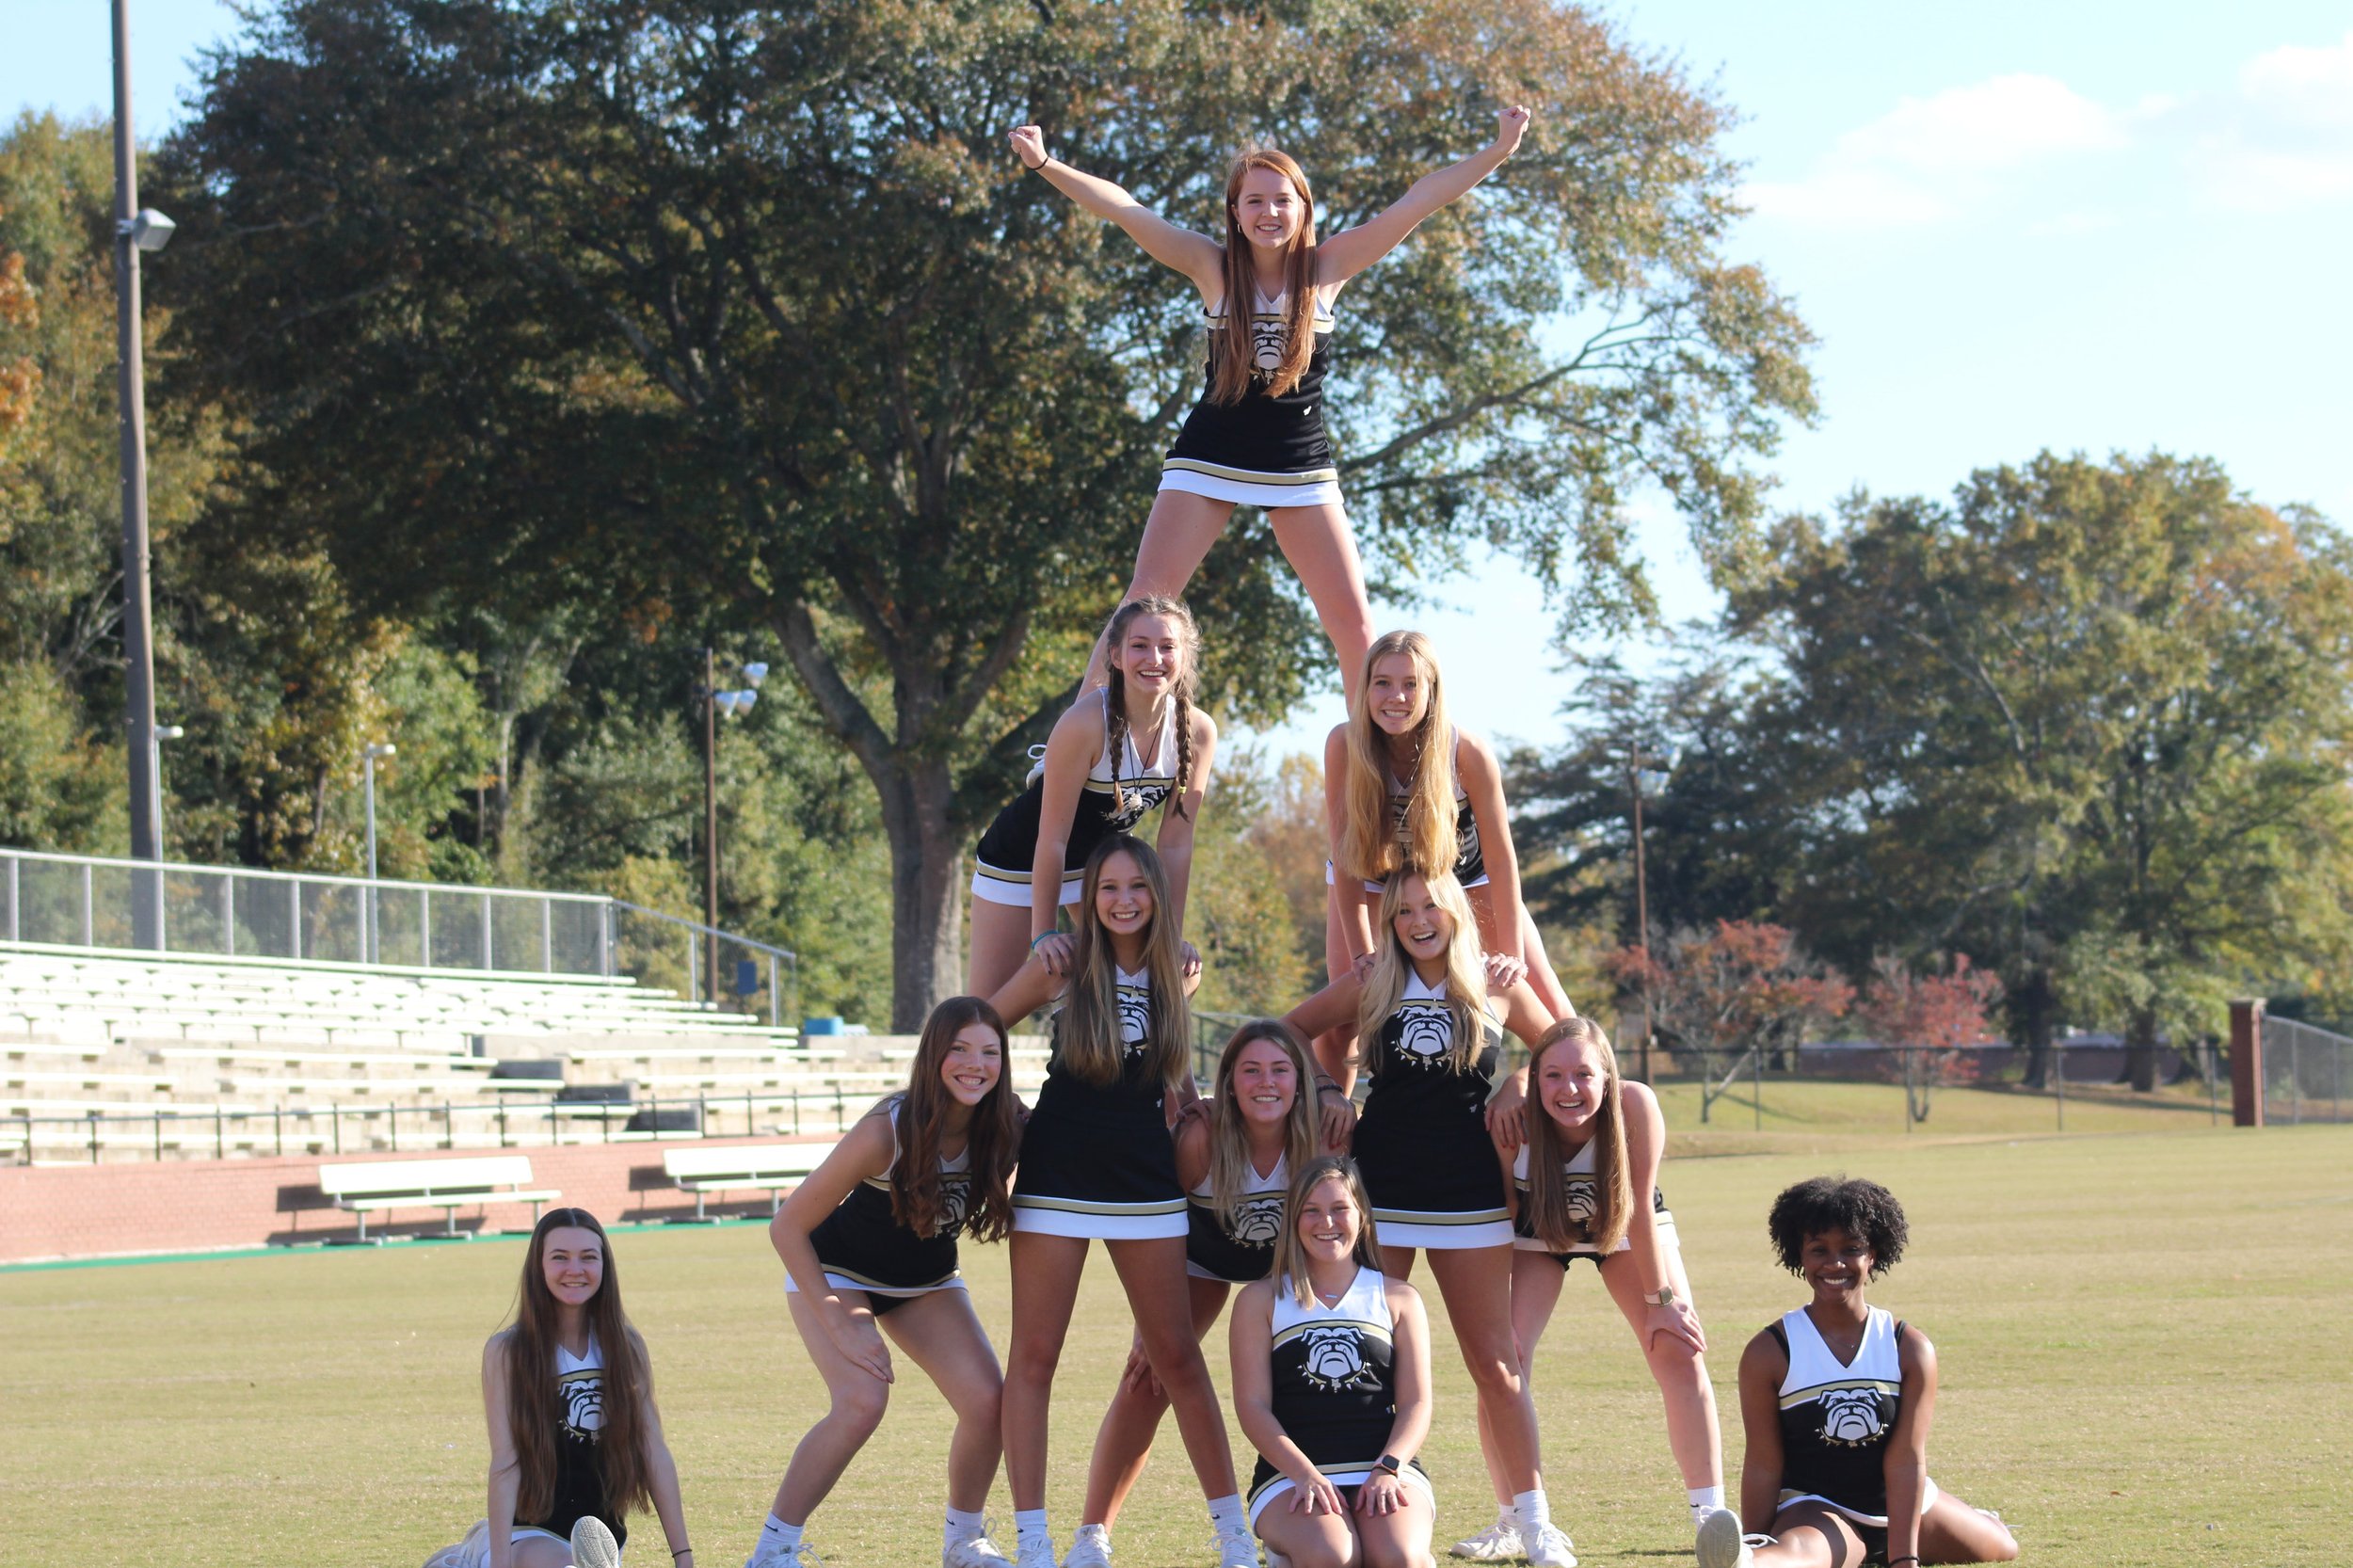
1719, 1545
593, 1545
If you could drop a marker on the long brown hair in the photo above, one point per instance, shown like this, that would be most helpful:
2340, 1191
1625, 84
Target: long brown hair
535, 1406
1179, 692
1374, 844
1237, 366
1288, 1260
1087, 1032
1229, 1134
992, 1143
1384, 990
1548, 1214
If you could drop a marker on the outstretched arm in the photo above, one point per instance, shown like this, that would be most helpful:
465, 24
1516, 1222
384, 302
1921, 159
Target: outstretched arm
1196, 256
1352, 250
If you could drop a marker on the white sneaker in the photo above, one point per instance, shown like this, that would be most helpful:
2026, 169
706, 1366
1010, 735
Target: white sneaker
975, 1551
1090, 1549
593, 1545
1033, 1551
1720, 1543
769, 1555
1235, 1548
1548, 1546
1498, 1543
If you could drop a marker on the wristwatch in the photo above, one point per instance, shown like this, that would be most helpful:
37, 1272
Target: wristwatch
1665, 1296
1389, 1463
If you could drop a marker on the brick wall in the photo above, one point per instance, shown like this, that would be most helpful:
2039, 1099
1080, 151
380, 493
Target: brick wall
198, 1205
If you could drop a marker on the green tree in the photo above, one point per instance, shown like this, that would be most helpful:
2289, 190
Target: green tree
2089, 721
742, 310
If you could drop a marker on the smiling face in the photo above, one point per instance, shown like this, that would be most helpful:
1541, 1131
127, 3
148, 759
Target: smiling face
1123, 897
1572, 1086
1396, 694
1150, 656
1328, 1222
974, 1062
1423, 928
1264, 1083
1268, 210
1836, 1262
573, 1263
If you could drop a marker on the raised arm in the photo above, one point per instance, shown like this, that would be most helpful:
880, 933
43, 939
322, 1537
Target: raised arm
1196, 256
1352, 250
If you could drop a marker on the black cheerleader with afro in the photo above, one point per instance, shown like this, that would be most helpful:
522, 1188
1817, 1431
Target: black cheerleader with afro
1857, 1206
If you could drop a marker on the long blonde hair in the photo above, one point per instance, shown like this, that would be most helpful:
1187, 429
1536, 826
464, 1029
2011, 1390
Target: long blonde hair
1548, 1214
1179, 692
1229, 1134
1465, 968
1236, 366
1288, 1261
1087, 1031
1378, 839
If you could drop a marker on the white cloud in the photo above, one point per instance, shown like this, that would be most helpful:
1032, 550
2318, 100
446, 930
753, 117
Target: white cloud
1925, 159
2286, 139
2307, 85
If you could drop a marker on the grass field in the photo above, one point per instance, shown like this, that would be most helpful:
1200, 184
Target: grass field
2144, 1337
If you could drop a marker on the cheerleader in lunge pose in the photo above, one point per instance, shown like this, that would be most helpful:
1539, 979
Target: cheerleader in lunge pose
1098, 1162
1116, 756
1428, 1144
1235, 1164
1586, 1187
1256, 438
869, 1243
1332, 1386
575, 1440
1835, 1399
1402, 786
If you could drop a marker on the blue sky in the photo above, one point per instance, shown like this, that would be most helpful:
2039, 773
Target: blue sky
2084, 226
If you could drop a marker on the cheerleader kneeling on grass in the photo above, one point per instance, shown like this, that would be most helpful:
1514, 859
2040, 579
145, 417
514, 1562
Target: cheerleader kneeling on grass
1586, 1187
869, 1244
1098, 1163
1331, 1366
1835, 1399
575, 1440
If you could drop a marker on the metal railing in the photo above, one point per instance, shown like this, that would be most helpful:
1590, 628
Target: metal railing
93, 904
2305, 1067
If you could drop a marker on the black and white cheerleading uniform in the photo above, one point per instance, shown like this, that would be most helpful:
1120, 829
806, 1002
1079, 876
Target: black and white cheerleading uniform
1244, 1250
1835, 1421
1008, 850
1470, 861
1428, 1165
1584, 1202
1097, 1159
864, 1247
1334, 1388
580, 1429
1262, 450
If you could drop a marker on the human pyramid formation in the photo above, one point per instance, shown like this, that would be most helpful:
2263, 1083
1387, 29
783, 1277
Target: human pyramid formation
1276, 1183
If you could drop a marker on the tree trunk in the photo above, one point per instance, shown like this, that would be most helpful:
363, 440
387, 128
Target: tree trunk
926, 902
2031, 1026
2140, 1056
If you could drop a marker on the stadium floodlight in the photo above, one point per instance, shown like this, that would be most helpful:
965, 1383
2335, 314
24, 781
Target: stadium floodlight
150, 230
755, 674
743, 701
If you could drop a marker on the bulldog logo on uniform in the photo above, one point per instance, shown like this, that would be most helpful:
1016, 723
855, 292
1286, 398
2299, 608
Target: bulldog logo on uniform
1135, 1017
1851, 1417
956, 1202
1139, 800
1269, 337
1583, 1205
1257, 1220
584, 1405
1425, 1034
1335, 1360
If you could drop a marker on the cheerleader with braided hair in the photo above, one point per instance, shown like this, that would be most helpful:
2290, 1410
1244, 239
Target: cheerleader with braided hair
1120, 752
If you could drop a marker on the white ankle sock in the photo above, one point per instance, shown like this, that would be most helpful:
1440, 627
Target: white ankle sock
1226, 1514
1534, 1513
962, 1526
1030, 1524
1704, 1498
779, 1532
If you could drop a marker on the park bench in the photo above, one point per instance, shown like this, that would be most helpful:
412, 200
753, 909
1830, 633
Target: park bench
448, 1185
769, 1167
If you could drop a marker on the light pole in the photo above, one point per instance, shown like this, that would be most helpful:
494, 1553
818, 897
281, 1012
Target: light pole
1638, 782
367, 760
136, 230
714, 703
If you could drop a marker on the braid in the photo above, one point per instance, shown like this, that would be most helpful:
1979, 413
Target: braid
1115, 733
1184, 748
